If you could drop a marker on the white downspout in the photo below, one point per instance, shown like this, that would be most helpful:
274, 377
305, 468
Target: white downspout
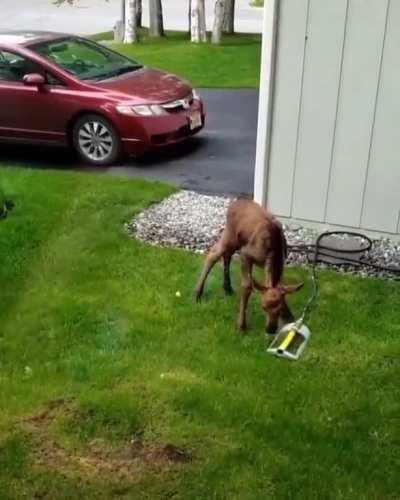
264, 128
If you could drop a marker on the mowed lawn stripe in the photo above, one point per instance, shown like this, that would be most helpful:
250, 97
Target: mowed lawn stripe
96, 346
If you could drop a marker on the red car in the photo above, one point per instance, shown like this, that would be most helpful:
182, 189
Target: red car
66, 90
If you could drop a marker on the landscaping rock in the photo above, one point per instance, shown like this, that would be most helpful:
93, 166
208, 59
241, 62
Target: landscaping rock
186, 220
194, 222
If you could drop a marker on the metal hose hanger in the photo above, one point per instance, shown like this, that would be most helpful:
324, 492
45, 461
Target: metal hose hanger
315, 251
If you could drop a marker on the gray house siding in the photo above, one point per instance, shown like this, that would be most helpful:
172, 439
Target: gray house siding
335, 141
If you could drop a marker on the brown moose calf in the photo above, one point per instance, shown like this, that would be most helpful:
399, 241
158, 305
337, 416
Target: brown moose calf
259, 238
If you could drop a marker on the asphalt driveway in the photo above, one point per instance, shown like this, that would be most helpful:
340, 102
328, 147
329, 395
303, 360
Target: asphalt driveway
220, 160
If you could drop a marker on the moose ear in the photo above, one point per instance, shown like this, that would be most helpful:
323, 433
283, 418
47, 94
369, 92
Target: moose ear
288, 289
258, 286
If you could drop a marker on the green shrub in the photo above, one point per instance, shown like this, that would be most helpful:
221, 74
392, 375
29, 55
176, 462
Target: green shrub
2, 203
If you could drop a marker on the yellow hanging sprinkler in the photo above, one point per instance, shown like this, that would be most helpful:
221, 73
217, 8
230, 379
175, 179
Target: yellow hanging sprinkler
339, 248
291, 340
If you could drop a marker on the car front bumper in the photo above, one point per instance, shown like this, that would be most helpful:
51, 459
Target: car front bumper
140, 134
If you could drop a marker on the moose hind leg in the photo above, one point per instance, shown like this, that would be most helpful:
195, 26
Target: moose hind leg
227, 285
214, 255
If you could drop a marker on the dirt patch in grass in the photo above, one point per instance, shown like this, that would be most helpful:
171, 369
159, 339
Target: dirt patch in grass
99, 459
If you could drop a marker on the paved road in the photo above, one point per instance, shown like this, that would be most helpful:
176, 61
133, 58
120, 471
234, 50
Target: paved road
94, 16
220, 160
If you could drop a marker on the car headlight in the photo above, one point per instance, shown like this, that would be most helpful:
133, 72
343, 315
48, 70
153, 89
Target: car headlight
141, 110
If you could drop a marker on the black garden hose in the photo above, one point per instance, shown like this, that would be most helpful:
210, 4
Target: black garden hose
315, 251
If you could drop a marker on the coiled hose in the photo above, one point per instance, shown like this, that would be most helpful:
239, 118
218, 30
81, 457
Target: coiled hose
315, 251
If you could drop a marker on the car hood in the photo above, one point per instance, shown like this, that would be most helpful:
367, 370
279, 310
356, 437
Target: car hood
147, 85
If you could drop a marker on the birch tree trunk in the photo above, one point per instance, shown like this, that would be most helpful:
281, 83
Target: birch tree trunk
198, 21
131, 29
139, 11
190, 16
156, 18
218, 20
228, 26
203, 28
119, 30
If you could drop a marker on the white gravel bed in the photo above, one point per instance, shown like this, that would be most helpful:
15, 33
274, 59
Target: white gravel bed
185, 220
194, 221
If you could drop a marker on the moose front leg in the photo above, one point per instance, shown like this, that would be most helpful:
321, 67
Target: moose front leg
245, 292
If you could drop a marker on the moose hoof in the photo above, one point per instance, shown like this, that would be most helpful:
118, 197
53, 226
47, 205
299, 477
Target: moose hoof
242, 327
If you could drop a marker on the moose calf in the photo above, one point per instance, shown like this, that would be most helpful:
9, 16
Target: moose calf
259, 237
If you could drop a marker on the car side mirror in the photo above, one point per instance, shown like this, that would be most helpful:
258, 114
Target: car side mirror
34, 80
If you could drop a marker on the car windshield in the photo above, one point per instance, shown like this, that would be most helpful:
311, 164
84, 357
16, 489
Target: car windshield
85, 59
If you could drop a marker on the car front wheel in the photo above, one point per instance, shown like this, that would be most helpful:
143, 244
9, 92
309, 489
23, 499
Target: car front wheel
96, 140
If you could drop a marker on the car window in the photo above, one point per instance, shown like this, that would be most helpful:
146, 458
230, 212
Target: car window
53, 80
14, 67
85, 59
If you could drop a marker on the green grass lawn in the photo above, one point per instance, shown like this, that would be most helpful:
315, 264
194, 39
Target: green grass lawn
104, 370
233, 64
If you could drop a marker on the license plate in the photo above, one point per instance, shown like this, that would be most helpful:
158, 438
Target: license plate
195, 120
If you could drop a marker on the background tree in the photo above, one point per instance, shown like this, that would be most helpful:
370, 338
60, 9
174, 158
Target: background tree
198, 31
156, 28
228, 25
126, 28
218, 20
131, 28
139, 13
119, 29
190, 16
